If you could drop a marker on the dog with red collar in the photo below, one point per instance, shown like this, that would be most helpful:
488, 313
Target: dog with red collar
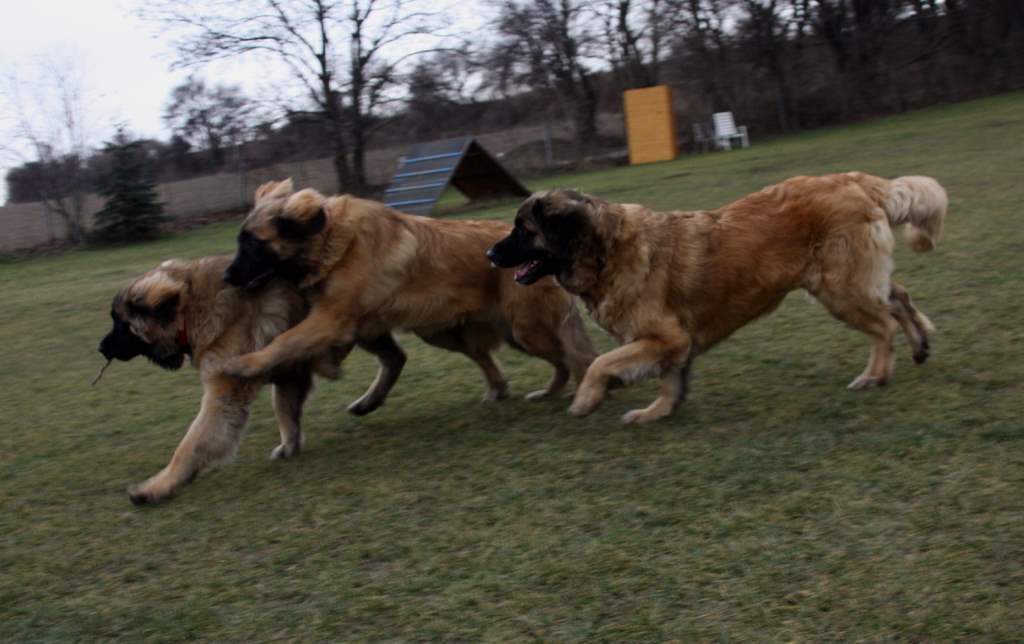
184, 308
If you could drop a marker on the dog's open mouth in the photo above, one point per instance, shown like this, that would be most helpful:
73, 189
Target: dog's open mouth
533, 270
522, 273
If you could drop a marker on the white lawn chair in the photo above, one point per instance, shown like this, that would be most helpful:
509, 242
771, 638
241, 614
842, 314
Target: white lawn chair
726, 131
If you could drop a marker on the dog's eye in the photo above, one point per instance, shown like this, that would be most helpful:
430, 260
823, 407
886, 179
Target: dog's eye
137, 310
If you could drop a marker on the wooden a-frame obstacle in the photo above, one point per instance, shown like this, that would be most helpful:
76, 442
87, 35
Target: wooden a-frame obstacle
428, 168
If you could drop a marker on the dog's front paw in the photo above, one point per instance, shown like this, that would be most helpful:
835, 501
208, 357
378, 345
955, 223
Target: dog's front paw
586, 400
285, 451
579, 411
581, 406
633, 416
540, 394
143, 494
365, 405
643, 415
496, 393
863, 382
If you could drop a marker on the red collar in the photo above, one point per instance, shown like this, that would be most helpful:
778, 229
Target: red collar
182, 338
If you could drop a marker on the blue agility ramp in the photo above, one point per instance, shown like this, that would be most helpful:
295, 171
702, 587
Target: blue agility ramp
428, 168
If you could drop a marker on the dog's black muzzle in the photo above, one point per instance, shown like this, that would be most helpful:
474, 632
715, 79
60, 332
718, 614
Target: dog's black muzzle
249, 272
507, 253
122, 344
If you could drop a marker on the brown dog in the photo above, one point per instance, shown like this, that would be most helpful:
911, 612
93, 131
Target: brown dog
670, 285
184, 308
368, 269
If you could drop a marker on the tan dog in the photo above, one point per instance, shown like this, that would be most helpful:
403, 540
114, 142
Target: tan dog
670, 285
184, 308
368, 269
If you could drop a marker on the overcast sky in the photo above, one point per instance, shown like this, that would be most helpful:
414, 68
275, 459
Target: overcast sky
123, 63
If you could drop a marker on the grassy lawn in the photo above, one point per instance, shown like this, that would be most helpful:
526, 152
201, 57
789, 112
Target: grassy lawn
774, 506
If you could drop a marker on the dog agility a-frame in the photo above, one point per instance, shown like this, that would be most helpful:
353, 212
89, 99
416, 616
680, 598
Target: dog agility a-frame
428, 168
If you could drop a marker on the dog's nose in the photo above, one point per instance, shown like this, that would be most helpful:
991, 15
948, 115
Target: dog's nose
228, 276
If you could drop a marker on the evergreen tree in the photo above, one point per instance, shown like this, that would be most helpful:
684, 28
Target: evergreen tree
132, 211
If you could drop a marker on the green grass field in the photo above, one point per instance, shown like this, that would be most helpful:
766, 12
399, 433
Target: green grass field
774, 506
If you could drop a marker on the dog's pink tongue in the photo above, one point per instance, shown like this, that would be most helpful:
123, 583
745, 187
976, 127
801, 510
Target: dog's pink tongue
524, 270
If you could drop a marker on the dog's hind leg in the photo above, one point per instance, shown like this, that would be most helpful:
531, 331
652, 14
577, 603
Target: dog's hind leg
880, 326
853, 280
557, 383
546, 346
873, 318
392, 360
476, 341
855, 287
290, 392
916, 325
497, 386
556, 335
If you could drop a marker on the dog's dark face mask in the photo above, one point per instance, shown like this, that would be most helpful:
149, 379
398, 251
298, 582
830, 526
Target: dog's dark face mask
121, 343
545, 237
254, 263
277, 253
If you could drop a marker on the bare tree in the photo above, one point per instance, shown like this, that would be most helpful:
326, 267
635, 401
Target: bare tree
545, 44
703, 37
345, 55
49, 130
214, 118
635, 35
765, 36
437, 89
857, 31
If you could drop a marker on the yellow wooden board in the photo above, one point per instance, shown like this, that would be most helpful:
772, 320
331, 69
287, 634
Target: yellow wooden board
650, 124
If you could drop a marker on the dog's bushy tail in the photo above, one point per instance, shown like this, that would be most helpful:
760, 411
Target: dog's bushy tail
920, 204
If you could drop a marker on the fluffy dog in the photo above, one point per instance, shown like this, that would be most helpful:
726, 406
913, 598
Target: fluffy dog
368, 269
184, 308
669, 285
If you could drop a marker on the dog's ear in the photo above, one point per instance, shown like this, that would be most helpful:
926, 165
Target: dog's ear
157, 296
303, 215
298, 229
275, 190
166, 311
558, 202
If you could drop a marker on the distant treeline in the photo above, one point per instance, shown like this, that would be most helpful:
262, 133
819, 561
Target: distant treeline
779, 65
